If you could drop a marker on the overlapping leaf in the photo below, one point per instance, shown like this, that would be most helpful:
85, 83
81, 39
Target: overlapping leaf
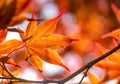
10, 45
114, 34
39, 40
111, 63
8, 60
93, 79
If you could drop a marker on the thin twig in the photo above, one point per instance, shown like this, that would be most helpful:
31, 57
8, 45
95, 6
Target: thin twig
4, 68
23, 80
84, 75
89, 65
35, 19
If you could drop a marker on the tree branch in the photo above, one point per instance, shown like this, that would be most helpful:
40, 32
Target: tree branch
86, 67
90, 64
84, 75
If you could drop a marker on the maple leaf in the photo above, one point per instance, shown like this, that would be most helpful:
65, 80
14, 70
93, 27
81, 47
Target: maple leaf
8, 60
115, 34
9, 46
40, 41
111, 63
113, 74
93, 79
6, 48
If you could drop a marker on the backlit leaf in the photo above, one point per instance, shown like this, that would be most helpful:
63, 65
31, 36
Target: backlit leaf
108, 65
39, 40
54, 41
36, 62
113, 74
93, 79
113, 57
48, 55
3, 72
10, 45
45, 28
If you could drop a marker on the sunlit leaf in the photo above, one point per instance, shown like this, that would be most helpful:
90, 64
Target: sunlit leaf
10, 45
16, 73
54, 41
39, 40
93, 79
45, 28
36, 62
48, 55
3, 72
113, 57
113, 74
31, 27
111, 65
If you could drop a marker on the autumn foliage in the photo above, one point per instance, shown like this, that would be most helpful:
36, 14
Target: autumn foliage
80, 33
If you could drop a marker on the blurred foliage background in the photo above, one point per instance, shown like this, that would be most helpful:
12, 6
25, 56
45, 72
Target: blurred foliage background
86, 20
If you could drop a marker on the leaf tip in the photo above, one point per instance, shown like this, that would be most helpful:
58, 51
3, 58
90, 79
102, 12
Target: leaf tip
61, 13
65, 67
20, 30
42, 74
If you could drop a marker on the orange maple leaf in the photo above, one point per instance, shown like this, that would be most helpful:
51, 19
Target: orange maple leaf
40, 41
115, 34
111, 63
8, 47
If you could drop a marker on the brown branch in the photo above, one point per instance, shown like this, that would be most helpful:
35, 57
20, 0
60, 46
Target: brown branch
86, 67
24, 80
90, 64
84, 75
